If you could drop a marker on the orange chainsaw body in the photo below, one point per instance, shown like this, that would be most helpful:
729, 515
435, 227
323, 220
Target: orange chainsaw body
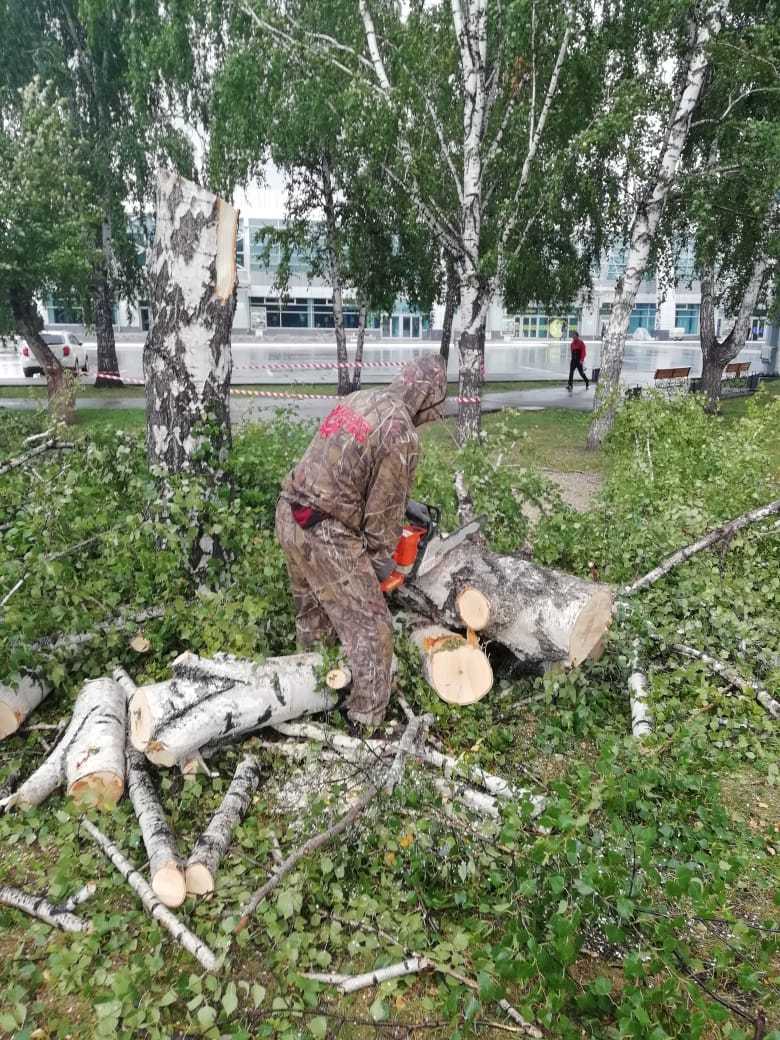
405, 555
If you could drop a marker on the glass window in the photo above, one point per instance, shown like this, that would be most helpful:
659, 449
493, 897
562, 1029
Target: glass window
394, 325
642, 317
616, 263
240, 259
145, 312
686, 316
757, 328
685, 265
53, 341
64, 312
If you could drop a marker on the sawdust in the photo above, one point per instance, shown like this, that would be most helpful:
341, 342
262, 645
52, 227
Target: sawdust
577, 489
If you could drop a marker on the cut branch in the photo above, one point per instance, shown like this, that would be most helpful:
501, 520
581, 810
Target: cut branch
732, 677
50, 445
38, 906
721, 533
165, 864
151, 903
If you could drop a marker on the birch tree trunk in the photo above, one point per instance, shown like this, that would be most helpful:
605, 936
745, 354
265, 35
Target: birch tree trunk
102, 297
187, 361
357, 376
645, 225
336, 277
716, 354
17, 704
60, 385
451, 301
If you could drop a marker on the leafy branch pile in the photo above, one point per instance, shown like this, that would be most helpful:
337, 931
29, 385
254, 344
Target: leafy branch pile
640, 903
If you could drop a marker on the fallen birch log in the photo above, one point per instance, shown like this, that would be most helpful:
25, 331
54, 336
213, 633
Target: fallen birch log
77, 639
717, 535
17, 704
732, 677
410, 966
89, 758
191, 943
166, 867
477, 801
318, 841
545, 618
38, 906
94, 759
211, 846
283, 689
455, 667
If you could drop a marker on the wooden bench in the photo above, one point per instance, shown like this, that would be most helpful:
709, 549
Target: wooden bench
672, 379
737, 370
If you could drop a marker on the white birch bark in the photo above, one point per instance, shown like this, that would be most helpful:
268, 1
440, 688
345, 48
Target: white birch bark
645, 224
81, 895
732, 677
284, 689
90, 723
410, 966
641, 721
16, 704
191, 943
94, 759
38, 906
212, 845
153, 706
165, 865
187, 360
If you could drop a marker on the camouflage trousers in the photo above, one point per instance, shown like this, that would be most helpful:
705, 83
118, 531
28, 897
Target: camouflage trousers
337, 598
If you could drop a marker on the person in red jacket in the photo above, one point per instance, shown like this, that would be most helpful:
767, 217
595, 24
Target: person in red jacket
578, 352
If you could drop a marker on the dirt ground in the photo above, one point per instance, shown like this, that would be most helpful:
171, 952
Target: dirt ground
578, 488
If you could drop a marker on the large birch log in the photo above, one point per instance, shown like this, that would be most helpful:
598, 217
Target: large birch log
283, 689
191, 943
165, 864
94, 760
544, 617
17, 704
151, 707
213, 843
90, 755
187, 361
38, 906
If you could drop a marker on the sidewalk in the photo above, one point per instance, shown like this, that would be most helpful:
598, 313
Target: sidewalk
247, 409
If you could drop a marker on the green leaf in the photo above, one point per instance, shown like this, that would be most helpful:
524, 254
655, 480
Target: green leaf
207, 1016
230, 999
258, 994
379, 1011
285, 904
318, 1027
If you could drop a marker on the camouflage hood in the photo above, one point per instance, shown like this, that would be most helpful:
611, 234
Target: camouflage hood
422, 386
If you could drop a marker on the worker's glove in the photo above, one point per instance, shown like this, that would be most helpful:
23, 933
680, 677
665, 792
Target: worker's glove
418, 513
383, 568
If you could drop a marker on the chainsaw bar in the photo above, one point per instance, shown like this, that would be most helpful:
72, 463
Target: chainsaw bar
438, 547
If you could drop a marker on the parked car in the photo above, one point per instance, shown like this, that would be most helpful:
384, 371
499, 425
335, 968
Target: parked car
66, 347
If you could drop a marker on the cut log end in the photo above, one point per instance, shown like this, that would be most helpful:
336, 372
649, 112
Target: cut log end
101, 789
169, 885
200, 881
225, 260
338, 678
10, 720
590, 629
473, 608
140, 720
456, 668
159, 755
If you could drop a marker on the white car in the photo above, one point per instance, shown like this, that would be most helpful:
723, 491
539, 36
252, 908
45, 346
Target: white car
66, 347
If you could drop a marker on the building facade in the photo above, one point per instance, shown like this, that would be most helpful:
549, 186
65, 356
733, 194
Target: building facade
665, 309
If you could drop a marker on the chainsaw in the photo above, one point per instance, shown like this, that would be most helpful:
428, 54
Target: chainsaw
421, 546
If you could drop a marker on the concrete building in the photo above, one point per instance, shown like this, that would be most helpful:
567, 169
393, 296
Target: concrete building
667, 309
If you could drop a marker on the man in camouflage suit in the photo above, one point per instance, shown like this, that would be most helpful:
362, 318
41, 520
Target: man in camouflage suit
339, 519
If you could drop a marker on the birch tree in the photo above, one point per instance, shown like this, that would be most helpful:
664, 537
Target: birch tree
651, 185
466, 95
45, 221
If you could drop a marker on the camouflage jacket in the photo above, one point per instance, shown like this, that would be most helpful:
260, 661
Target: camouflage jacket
360, 466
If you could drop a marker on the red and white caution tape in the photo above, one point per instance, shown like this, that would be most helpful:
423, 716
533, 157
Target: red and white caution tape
292, 366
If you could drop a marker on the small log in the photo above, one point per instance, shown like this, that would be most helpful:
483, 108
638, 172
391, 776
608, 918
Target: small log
641, 722
213, 843
718, 534
283, 689
477, 801
38, 906
83, 894
205, 669
453, 666
151, 903
151, 706
545, 618
166, 868
410, 966
17, 704
94, 759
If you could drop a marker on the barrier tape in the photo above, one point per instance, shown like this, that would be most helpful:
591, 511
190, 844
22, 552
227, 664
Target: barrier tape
292, 366
273, 394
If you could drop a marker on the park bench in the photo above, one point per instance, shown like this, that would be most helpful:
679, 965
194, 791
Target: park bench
672, 380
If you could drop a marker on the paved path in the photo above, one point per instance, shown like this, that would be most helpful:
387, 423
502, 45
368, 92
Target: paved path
252, 408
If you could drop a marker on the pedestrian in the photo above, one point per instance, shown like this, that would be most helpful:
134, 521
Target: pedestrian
339, 519
578, 353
